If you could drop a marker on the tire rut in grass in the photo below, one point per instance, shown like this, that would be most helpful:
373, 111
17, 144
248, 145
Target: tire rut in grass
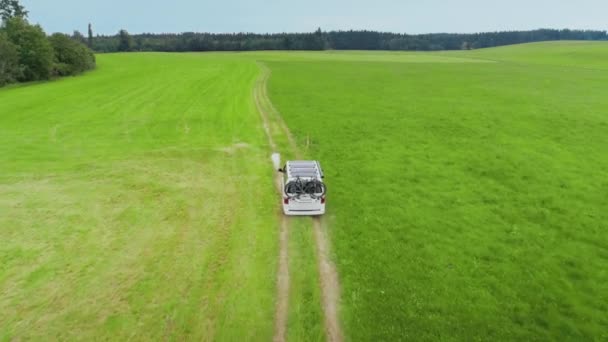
282, 306
330, 286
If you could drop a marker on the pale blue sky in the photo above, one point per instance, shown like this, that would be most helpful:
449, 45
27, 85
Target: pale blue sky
422, 16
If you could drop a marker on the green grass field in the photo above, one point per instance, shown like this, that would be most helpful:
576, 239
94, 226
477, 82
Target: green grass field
136, 202
468, 200
467, 196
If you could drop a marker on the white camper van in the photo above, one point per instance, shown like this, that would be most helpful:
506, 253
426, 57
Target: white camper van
303, 188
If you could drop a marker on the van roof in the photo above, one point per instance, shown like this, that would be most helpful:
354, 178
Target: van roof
304, 169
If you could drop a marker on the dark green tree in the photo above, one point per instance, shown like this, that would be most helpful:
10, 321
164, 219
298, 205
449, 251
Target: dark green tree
90, 37
71, 57
125, 42
9, 61
318, 41
11, 9
77, 36
35, 51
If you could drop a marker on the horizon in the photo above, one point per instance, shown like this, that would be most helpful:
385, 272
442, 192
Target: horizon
237, 16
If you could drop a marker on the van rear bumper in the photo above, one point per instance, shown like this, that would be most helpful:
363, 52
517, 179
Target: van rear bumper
303, 212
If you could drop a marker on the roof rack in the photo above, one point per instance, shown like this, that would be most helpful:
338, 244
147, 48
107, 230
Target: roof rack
304, 169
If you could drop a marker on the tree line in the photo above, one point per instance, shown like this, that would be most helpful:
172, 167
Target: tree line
332, 40
28, 54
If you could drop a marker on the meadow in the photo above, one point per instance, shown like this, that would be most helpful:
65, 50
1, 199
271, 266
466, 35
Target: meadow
467, 200
136, 203
467, 196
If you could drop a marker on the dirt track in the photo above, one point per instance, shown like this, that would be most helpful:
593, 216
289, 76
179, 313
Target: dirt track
328, 276
330, 287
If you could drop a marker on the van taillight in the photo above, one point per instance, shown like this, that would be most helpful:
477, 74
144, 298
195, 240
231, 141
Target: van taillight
285, 200
322, 200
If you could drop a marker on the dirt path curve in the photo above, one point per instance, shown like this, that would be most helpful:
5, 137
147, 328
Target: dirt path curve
282, 306
328, 276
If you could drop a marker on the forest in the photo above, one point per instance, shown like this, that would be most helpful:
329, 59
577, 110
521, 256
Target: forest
332, 40
28, 54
